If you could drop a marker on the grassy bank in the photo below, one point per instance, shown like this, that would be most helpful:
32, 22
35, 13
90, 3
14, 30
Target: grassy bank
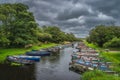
113, 55
98, 75
18, 51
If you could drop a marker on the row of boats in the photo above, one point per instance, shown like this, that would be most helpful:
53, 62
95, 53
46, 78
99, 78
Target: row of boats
33, 56
85, 58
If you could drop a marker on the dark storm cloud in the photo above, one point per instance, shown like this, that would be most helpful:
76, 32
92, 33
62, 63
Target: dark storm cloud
76, 16
73, 12
109, 7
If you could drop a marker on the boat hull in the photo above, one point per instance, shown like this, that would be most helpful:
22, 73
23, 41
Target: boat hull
38, 53
34, 58
19, 60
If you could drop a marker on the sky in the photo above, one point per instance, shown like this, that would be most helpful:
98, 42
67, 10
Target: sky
74, 16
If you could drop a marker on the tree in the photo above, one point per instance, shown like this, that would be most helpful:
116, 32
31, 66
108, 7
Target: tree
102, 34
58, 35
18, 25
55, 32
114, 43
18, 28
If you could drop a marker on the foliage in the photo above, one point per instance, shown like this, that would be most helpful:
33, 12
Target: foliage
91, 45
102, 34
114, 43
58, 35
18, 28
17, 25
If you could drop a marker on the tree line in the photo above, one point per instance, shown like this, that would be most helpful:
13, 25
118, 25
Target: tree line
105, 36
19, 28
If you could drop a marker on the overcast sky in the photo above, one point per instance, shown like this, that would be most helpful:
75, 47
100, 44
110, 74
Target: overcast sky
76, 16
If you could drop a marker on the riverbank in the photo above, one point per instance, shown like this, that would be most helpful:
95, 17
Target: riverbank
99, 75
110, 55
17, 51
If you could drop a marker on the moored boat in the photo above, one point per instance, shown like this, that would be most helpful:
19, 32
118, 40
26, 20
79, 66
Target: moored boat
34, 58
38, 53
19, 60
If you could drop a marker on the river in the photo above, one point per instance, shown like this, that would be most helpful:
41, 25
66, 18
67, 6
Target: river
55, 67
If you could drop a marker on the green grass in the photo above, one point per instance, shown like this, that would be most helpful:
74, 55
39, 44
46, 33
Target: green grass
99, 75
113, 57
91, 45
98, 49
18, 51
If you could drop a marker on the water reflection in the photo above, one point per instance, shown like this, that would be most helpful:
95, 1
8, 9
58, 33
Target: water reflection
8, 72
54, 67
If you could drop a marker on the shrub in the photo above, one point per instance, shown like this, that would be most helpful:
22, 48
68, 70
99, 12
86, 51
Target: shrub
114, 43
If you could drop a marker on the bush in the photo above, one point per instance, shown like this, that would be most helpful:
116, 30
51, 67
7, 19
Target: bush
114, 43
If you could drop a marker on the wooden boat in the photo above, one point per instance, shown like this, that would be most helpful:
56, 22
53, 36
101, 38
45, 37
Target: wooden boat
104, 67
53, 50
38, 53
75, 56
97, 65
87, 54
34, 58
76, 50
19, 60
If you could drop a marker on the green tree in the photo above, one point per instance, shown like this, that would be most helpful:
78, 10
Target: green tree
18, 28
55, 32
58, 35
102, 34
114, 43
18, 25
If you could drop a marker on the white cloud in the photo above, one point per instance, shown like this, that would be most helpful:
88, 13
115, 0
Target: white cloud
104, 17
80, 20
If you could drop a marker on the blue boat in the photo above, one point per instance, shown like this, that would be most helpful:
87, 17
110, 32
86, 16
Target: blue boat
38, 53
95, 65
103, 68
88, 63
75, 56
34, 58
19, 60
80, 61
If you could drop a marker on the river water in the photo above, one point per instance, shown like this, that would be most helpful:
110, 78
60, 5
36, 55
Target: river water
55, 67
